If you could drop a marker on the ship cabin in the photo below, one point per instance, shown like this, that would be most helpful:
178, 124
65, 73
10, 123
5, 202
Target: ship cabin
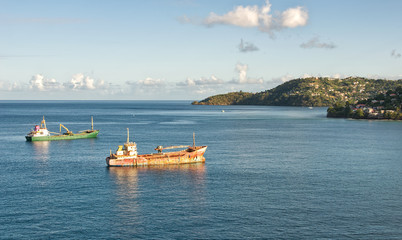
128, 149
40, 130
37, 132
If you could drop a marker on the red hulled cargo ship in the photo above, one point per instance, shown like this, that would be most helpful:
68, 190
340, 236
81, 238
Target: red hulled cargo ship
126, 155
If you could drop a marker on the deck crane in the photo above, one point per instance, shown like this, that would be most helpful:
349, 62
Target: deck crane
160, 148
68, 131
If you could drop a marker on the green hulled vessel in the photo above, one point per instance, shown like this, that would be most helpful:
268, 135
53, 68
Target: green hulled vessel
40, 133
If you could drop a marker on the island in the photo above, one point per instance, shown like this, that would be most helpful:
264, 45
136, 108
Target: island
308, 92
352, 97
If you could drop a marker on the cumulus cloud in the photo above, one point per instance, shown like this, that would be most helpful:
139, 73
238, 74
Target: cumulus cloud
395, 54
240, 16
202, 81
315, 43
243, 79
39, 83
260, 17
81, 82
247, 47
294, 17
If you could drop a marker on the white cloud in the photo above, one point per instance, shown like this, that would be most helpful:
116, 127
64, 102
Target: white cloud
150, 82
247, 47
40, 83
187, 82
306, 75
243, 79
241, 69
6, 86
213, 80
282, 79
315, 43
294, 17
149, 88
144, 84
255, 16
204, 87
81, 82
240, 16
333, 76
338, 76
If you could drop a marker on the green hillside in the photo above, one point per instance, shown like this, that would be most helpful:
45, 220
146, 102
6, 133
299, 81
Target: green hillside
308, 92
232, 98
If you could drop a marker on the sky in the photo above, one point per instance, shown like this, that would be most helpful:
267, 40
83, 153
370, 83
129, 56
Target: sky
190, 49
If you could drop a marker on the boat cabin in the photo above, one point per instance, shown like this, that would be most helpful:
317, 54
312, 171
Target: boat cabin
128, 149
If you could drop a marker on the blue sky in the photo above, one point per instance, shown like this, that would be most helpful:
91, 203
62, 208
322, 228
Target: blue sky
188, 49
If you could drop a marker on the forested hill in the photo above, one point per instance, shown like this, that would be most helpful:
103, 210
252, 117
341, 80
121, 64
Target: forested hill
308, 92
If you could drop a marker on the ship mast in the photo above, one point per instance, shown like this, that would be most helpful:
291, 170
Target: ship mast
92, 123
43, 123
128, 135
193, 139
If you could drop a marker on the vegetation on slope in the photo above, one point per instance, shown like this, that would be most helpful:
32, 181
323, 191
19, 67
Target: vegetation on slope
232, 98
309, 92
382, 106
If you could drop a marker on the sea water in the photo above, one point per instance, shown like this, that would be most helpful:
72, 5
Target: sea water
270, 172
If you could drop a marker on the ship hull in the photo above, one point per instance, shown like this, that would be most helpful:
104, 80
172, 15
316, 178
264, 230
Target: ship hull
190, 155
92, 134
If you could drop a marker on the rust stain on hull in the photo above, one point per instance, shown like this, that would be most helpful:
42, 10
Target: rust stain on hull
126, 155
189, 155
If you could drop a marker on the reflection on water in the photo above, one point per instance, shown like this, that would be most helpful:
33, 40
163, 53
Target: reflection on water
127, 177
138, 188
126, 193
192, 174
41, 150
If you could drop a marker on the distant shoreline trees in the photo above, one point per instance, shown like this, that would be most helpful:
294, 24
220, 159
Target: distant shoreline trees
309, 92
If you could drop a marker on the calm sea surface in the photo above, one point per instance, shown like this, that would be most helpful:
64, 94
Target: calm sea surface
270, 172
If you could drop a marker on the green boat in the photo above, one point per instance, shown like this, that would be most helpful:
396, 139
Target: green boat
40, 133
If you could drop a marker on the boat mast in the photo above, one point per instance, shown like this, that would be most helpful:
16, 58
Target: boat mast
193, 139
92, 123
43, 123
128, 135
